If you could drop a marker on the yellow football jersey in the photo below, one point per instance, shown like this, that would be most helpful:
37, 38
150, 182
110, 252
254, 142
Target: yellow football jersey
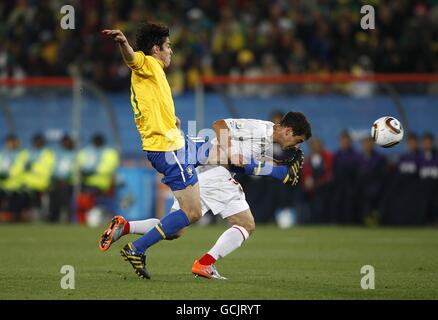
152, 101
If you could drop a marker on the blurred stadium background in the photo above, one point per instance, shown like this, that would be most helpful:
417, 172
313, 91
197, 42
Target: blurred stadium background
249, 59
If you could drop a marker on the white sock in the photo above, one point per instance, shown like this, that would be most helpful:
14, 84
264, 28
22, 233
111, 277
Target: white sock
229, 241
142, 226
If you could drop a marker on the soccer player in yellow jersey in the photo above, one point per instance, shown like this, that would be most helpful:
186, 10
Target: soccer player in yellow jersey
155, 119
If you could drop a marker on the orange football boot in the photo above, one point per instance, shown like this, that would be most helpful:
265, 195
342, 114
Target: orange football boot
114, 232
206, 271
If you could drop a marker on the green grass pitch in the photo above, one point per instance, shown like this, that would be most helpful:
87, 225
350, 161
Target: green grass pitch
297, 263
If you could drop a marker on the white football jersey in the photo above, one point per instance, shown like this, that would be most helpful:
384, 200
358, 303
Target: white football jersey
251, 138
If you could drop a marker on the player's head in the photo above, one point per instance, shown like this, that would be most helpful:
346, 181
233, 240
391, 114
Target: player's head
153, 39
292, 130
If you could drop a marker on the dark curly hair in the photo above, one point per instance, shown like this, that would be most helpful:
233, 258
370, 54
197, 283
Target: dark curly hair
150, 34
298, 122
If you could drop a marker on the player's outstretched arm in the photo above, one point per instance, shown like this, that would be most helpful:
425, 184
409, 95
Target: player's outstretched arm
287, 171
125, 48
258, 168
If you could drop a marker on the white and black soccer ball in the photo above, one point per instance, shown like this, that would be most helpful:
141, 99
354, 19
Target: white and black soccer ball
387, 131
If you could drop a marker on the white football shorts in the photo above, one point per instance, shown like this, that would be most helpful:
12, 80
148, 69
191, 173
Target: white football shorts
219, 193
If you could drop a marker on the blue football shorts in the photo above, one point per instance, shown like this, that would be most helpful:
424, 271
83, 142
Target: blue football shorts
179, 167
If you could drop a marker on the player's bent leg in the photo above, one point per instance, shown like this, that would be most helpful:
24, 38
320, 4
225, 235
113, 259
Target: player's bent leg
142, 226
242, 226
190, 202
119, 227
170, 225
183, 181
173, 223
243, 219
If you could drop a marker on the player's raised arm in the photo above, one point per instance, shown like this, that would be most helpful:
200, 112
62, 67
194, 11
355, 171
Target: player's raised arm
287, 171
125, 48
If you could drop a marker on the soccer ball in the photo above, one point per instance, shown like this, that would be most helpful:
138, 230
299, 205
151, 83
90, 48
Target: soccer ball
387, 131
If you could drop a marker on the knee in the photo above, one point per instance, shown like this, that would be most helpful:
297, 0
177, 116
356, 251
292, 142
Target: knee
194, 213
174, 236
249, 226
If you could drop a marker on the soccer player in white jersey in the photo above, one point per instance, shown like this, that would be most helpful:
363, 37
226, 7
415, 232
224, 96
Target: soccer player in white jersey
251, 141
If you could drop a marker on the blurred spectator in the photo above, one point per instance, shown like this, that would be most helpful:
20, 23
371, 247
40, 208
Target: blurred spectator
362, 88
372, 177
97, 164
428, 172
296, 36
246, 67
227, 33
270, 67
343, 194
37, 177
61, 190
12, 164
317, 174
398, 207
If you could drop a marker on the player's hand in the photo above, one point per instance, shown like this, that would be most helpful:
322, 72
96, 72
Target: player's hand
116, 35
289, 157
